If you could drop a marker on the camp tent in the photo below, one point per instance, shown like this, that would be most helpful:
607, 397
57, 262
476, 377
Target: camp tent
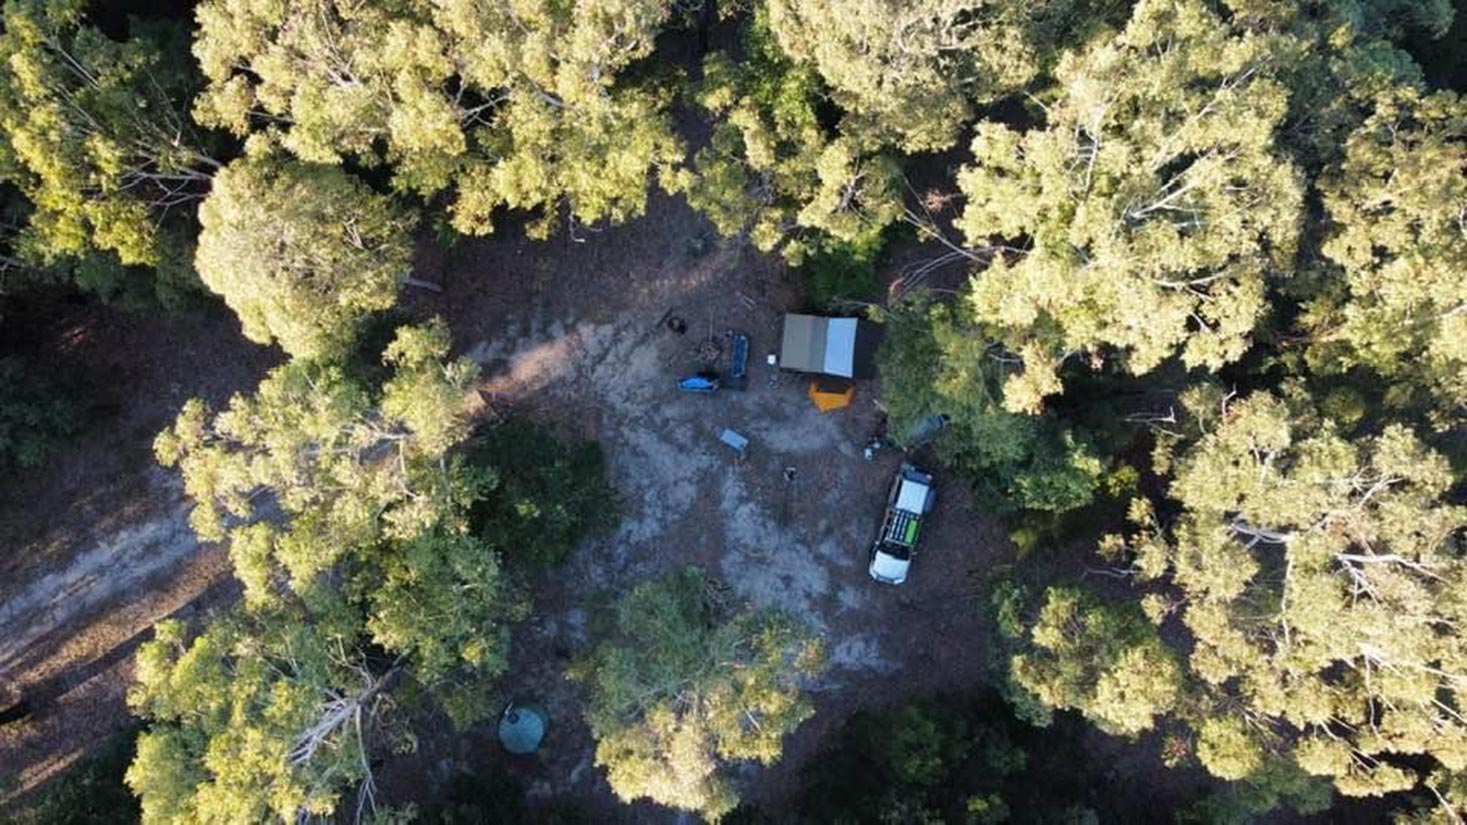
831, 393
843, 347
522, 727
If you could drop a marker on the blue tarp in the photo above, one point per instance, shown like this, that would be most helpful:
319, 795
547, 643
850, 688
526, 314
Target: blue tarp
698, 383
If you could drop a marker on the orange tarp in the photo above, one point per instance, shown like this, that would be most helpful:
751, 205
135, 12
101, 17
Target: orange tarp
831, 395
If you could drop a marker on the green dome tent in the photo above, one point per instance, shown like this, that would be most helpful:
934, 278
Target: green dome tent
522, 727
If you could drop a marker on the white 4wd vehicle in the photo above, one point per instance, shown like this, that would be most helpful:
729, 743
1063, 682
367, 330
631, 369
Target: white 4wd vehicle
911, 499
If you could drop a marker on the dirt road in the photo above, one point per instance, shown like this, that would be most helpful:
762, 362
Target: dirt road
96, 543
113, 565
67, 638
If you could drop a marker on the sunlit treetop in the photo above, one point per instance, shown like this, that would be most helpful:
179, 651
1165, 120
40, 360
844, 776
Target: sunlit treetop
514, 106
1153, 207
690, 683
1320, 577
909, 74
1396, 252
773, 169
301, 252
94, 134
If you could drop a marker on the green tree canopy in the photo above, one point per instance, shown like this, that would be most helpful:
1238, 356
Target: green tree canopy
544, 494
36, 411
934, 760
352, 464
346, 506
1103, 660
1397, 18
1320, 578
1395, 202
1444, 802
773, 168
255, 720
1153, 205
688, 684
512, 106
935, 362
301, 252
1370, 19
92, 131
376, 505
908, 74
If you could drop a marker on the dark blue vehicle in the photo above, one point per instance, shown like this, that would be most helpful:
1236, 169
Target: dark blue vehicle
738, 376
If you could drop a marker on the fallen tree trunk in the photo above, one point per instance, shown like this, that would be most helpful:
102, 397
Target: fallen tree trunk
420, 283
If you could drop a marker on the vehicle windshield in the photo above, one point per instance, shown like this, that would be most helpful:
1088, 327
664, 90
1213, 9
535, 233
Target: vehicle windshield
895, 550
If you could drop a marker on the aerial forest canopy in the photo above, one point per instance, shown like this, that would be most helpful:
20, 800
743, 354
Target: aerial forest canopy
1156, 201
95, 136
501, 105
1207, 360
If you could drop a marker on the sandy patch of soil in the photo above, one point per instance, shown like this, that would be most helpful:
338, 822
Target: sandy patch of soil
113, 564
71, 634
590, 349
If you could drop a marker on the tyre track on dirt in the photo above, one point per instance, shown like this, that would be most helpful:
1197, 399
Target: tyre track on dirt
125, 559
68, 638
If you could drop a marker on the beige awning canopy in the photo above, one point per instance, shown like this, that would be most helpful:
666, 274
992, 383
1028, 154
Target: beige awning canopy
843, 347
803, 348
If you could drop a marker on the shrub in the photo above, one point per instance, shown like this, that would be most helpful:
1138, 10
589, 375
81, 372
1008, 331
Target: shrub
90, 792
35, 412
836, 270
544, 494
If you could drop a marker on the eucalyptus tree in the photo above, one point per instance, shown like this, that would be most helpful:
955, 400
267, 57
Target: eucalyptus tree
94, 132
504, 105
1320, 578
1152, 208
1106, 661
910, 74
773, 170
362, 464
346, 511
935, 361
374, 503
690, 683
301, 251
817, 107
1444, 802
258, 718
1397, 247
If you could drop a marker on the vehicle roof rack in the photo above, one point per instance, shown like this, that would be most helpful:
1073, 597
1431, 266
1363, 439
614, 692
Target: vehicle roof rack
902, 528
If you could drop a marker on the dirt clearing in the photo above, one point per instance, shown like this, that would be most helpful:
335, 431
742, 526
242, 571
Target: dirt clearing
574, 332
786, 525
